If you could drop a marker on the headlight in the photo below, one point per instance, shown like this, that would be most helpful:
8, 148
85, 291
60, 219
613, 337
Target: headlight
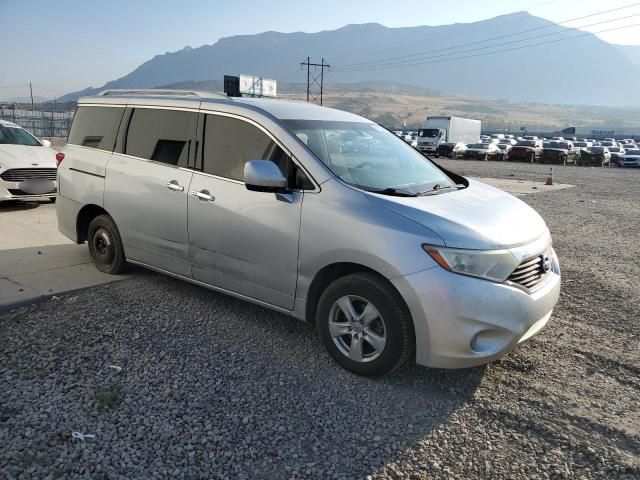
494, 265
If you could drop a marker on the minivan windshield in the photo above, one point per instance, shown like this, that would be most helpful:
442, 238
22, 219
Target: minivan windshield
17, 136
369, 157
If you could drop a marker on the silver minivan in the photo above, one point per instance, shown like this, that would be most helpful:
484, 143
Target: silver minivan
313, 212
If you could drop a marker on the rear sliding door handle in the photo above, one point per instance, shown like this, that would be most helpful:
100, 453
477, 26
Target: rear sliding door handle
175, 187
203, 195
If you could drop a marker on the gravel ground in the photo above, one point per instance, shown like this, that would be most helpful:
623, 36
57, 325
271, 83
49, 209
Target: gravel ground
212, 387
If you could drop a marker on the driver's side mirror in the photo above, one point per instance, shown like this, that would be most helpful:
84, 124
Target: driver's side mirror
263, 176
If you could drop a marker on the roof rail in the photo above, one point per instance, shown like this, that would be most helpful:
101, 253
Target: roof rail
161, 93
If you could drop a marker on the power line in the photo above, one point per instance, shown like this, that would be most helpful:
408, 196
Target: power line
535, 37
338, 67
498, 51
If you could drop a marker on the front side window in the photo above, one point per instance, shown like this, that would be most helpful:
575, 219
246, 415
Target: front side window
14, 135
368, 156
229, 143
160, 135
96, 127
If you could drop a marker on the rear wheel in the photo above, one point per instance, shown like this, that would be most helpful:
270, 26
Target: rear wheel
365, 325
105, 245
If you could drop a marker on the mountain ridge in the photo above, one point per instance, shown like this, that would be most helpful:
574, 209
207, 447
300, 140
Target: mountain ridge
546, 73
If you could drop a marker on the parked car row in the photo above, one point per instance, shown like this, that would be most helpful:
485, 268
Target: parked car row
554, 151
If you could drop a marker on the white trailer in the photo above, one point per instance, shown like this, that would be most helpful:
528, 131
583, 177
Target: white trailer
437, 130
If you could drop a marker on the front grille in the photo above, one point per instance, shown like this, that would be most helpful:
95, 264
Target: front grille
21, 174
529, 273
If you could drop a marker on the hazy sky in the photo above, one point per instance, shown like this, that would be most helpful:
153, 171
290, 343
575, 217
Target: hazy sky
66, 45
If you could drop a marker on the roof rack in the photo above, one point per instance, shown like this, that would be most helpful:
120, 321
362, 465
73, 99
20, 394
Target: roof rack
161, 93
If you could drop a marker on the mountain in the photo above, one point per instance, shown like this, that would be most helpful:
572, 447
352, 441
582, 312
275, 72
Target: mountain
563, 72
632, 52
36, 99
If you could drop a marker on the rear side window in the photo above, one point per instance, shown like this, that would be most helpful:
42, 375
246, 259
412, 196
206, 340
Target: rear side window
96, 127
160, 135
229, 143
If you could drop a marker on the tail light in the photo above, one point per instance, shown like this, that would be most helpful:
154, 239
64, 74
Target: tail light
59, 158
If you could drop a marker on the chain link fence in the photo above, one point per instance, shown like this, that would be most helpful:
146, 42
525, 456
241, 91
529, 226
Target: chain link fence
40, 123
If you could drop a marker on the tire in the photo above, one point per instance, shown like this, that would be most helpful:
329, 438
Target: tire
53, 199
389, 323
105, 245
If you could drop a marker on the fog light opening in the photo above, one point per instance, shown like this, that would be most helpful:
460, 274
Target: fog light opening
487, 342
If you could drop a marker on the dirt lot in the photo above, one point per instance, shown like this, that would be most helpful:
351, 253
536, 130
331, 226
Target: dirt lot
206, 386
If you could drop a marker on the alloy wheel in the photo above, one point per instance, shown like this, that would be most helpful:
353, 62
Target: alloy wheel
357, 328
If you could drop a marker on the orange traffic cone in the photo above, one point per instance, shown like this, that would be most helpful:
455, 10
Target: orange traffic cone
550, 177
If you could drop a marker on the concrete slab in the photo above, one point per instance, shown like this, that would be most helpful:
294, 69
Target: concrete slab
522, 187
37, 261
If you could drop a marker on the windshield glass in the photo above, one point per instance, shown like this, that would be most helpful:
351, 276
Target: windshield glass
596, 149
526, 143
480, 146
17, 136
580, 144
368, 156
428, 132
633, 152
614, 149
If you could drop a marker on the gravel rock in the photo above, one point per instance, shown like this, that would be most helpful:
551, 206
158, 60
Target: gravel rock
213, 387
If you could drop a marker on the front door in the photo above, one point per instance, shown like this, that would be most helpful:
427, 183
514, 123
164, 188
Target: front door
147, 185
243, 241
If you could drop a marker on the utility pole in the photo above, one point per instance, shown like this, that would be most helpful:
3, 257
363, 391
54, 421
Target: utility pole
31, 92
315, 78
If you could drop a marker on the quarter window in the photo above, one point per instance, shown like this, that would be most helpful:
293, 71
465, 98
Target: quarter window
96, 127
229, 143
160, 135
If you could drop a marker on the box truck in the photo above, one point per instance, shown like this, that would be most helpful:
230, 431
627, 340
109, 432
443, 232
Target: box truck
437, 130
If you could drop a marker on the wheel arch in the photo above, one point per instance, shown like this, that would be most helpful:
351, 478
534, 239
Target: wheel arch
86, 214
330, 273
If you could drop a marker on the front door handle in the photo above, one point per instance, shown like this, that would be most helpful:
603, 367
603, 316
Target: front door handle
173, 185
203, 195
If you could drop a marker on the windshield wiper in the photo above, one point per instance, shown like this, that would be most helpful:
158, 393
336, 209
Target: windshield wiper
397, 192
437, 188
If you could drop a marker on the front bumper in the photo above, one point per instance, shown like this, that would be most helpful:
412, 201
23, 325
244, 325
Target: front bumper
626, 162
13, 191
427, 148
589, 160
462, 321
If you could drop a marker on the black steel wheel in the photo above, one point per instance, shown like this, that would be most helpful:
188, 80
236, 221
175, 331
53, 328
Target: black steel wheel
105, 245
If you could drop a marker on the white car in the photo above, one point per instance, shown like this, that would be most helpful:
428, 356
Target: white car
630, 159
27, 165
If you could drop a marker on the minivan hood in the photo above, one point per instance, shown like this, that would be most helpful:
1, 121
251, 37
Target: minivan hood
478, 217
22, 156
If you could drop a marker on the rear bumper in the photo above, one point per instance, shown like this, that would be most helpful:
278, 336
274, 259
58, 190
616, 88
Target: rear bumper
463, 321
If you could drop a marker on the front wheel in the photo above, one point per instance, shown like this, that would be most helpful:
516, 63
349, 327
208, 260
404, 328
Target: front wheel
365, 325
105, 245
